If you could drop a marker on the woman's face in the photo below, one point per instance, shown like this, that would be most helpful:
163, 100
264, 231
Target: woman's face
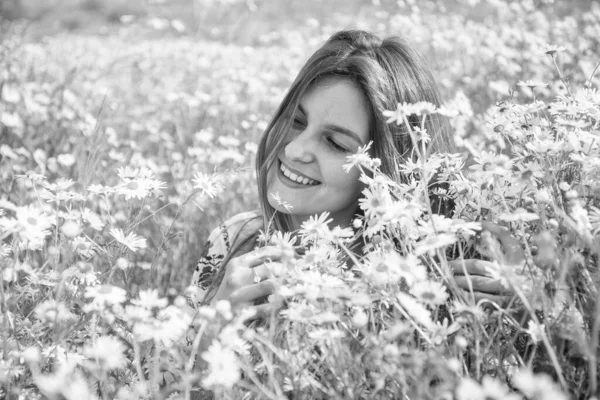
331, 122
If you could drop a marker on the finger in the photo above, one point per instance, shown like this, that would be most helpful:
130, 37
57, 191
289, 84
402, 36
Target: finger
248, 294
260, 256
472, 267
514, 254
265, 311
480, 298
240, 276
482, 284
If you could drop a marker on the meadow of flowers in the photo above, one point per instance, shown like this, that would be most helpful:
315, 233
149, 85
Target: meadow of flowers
121, 151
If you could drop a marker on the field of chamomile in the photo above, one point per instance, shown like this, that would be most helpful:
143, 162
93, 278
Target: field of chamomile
129, 131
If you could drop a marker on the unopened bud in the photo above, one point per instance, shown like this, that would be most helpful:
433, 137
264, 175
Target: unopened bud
360, 319
71, 229
122, 263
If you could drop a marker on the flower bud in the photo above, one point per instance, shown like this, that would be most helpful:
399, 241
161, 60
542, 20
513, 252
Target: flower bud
360, 319
543, 196
31, 355
71, 229
461, 342
122, 263
552, 224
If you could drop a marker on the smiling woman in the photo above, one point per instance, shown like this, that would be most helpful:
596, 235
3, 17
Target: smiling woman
331, 122
334, 108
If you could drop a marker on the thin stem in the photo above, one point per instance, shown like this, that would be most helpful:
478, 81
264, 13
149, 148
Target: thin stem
560, 75
414, 324
138, 362
547, 343
190, 363
593, 73
595, 338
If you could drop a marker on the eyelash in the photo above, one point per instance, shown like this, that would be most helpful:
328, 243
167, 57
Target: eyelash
331, 142
336, 146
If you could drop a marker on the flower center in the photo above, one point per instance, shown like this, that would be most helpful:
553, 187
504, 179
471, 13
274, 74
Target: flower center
133, 185
427, 296
381, 268
306, 313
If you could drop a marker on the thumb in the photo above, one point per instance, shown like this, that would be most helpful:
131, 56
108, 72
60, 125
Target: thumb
513, 252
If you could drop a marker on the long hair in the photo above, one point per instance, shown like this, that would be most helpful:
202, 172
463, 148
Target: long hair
388, 71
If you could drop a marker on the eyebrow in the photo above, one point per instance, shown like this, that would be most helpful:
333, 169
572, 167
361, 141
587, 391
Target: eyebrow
336, 128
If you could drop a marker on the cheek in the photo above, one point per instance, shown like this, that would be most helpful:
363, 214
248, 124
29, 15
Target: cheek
349, 182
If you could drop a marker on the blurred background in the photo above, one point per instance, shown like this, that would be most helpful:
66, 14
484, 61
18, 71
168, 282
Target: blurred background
186, 86
244, 22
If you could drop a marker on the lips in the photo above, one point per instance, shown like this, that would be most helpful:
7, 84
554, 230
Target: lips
291, 175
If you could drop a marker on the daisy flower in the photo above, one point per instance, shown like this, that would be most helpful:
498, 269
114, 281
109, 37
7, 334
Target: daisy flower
315, 227
208, 184
150, 299
83, 272
92, 218
83, 247
375, 201
287, 206
128, 172
31, 225
415, 310
60, 185
33, 221
223, 366
5, 250
382, 268
360, 158
434, 242
402, 111
306, 313
106, 294
552, 49
430, 293
136, 314
66, 159
169, 326
283, 239
535, 331
132, 241
537, 386
108, 352
51, 311
133, 188
532, 84
594, 218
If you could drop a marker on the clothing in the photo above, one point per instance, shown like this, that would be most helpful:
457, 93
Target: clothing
221, 242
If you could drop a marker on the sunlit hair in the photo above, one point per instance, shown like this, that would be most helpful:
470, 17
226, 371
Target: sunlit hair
389, 71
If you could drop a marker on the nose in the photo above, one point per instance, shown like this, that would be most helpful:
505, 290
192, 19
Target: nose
300, 148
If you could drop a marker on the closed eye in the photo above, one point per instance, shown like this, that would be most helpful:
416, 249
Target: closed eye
336, 146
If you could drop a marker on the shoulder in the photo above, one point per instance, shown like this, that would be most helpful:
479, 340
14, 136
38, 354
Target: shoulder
221, 242
236, 227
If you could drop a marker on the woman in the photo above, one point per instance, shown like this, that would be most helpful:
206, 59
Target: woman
334, 106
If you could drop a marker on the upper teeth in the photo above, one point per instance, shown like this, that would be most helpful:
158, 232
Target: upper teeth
295, 177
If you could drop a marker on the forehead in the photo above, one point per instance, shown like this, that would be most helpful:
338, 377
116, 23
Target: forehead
338, 101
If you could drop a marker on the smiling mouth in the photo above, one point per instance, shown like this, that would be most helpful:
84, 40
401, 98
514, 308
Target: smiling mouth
302, 180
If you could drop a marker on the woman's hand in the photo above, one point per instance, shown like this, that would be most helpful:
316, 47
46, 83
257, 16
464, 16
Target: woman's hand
478, 274
250, 278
